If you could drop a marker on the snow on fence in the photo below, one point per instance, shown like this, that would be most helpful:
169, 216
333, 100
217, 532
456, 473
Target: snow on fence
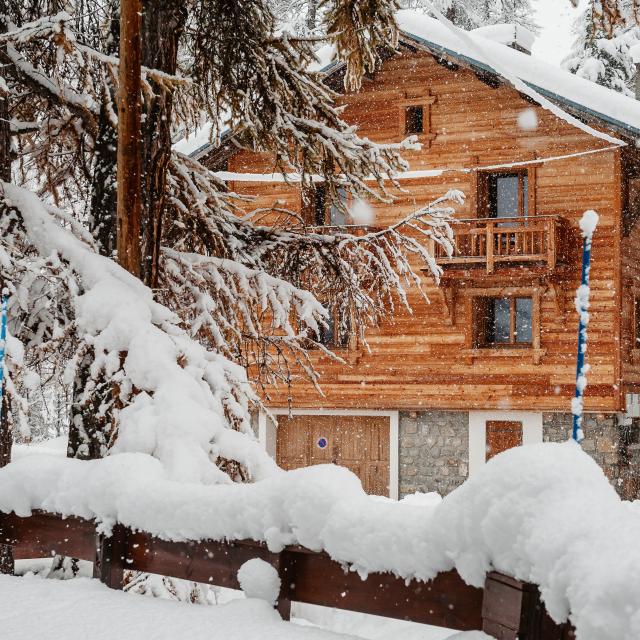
544, 516
506, 608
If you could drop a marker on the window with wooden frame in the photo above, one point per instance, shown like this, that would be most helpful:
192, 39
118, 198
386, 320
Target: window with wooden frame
415, 114
505, 194
317, 211
337, 333
414, 119
500, 322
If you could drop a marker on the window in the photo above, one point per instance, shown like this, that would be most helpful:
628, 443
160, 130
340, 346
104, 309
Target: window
315, 204
507, 195
338, 330
338, 212
503, 322
414, 119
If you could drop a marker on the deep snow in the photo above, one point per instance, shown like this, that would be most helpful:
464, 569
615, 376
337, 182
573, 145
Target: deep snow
82, 609
542, 513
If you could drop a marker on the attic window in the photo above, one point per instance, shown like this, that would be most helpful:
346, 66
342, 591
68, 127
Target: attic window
414, 119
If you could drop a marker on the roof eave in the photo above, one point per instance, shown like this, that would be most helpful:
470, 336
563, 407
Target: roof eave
619, 126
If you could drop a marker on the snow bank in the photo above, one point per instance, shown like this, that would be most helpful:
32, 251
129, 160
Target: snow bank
82, 608
547, 514
541, 513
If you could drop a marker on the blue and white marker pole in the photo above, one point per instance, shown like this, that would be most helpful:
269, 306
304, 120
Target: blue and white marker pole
588, 224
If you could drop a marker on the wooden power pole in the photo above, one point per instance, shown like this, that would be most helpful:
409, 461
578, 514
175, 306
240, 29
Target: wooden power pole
129, 141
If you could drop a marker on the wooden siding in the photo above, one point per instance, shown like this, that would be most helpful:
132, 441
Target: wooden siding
630, 275
423, 359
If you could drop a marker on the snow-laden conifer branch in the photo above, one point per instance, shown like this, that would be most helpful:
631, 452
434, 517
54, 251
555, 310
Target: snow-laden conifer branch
358, 29
168, 396
258, 289
265, 92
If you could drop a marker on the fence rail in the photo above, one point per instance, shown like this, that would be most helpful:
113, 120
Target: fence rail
507, 608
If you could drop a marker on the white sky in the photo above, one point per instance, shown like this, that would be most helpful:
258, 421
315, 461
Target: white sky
555, 18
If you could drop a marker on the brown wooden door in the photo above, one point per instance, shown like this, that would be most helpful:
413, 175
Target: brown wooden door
502, 435
360, 443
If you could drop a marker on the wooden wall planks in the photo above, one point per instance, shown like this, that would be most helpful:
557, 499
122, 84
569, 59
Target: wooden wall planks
416, 359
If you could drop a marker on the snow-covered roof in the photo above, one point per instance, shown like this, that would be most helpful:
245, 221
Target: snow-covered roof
571, 91
508, 34
611, 107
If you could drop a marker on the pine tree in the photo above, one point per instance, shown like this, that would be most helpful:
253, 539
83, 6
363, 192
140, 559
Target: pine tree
600, 52
471, 14
231, 293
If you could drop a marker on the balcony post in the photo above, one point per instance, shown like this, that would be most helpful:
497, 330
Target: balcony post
490, 247
551, 224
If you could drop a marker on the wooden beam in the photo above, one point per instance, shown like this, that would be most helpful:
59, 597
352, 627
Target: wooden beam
43, 535
129, 140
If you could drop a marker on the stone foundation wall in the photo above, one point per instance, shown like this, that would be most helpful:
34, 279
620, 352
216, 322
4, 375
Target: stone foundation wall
434, 451
613, 446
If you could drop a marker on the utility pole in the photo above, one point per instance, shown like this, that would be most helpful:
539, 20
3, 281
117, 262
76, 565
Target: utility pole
129, 142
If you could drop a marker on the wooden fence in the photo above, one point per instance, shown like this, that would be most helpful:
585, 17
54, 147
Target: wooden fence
506, 608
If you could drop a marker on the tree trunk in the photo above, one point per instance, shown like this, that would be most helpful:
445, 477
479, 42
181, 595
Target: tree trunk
129, 117
163, 24
5, 132
88, 438
6, 439
102, 219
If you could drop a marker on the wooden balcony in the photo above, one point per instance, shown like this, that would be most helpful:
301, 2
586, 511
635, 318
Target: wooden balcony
489, 242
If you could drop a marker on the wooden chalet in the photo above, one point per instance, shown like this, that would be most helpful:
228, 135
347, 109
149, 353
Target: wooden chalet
490, 363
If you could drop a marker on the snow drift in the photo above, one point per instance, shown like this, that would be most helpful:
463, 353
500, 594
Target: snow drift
542, 513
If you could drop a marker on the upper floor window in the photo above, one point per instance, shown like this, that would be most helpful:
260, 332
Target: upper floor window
503, 322
337, 332
414, 119
317, 211
507, 195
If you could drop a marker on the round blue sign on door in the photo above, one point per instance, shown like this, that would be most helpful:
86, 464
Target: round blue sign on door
322, 443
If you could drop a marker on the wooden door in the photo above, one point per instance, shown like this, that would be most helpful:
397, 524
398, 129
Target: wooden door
502, 435
360, 443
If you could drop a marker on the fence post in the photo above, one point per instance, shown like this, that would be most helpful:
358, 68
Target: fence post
284, 564
513, 610
111, 554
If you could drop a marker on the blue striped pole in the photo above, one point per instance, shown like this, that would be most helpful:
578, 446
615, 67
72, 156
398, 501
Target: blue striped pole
3, 341
587, 225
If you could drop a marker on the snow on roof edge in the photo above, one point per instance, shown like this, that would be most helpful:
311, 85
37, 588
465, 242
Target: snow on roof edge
614, 122
534, 67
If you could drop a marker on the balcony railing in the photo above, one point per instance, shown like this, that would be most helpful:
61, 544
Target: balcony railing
488, 242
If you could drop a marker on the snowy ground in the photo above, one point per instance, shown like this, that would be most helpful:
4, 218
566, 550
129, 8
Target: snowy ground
82, 609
